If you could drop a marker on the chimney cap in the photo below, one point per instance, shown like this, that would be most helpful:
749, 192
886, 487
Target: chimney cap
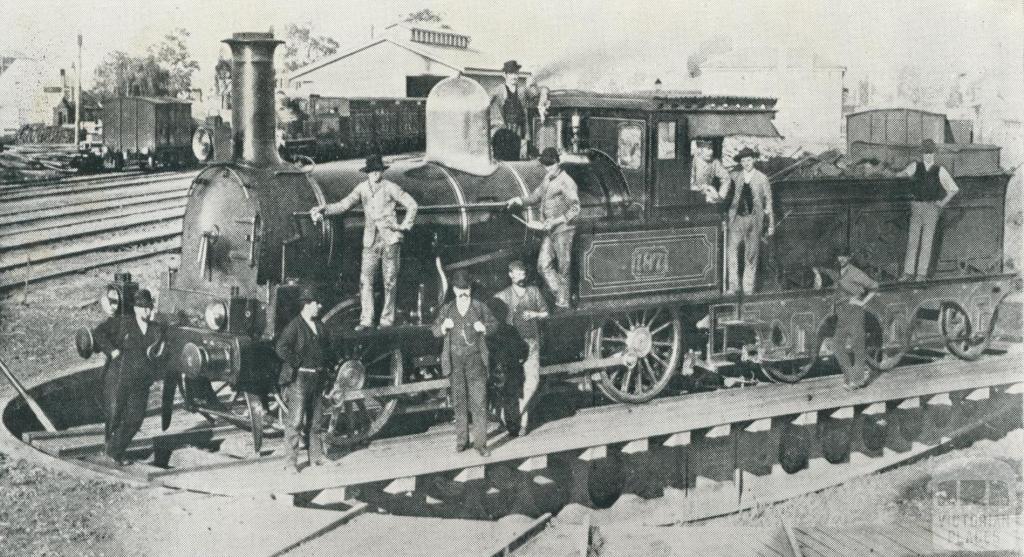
252, 37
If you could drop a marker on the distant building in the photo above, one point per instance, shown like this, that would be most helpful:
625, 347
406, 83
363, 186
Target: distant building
809, 90
26, 94
64, 111
407, 60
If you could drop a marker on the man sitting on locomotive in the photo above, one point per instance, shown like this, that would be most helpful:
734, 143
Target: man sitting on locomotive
463, 322
132, 344
751, 202
854, 289
559, 203
931, 190
706, 171
382, 235
525, 306
305, 350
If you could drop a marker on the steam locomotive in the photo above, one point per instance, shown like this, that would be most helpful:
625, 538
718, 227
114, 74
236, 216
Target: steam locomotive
647, 261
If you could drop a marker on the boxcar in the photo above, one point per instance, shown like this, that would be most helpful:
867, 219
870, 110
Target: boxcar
151, 132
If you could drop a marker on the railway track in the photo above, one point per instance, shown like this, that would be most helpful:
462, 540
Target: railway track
66, 228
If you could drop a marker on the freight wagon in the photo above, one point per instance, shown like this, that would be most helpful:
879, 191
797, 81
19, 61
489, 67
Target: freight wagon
150, 132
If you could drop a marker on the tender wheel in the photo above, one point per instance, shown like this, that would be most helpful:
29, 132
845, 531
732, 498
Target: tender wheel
652, 340
792, 370
886, 344
963, 339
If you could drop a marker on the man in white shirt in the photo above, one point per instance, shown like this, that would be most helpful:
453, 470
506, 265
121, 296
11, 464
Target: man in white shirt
750, 206
931, 190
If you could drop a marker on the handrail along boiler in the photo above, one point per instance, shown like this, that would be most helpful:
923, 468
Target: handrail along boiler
647, 260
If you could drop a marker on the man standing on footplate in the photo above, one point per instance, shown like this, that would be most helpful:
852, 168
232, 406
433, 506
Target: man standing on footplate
750, 206
559, 202
462, 323
382, 236
931, 190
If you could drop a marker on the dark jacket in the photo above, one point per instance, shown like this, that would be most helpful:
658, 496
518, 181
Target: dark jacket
134, 362
449, 311
297, 348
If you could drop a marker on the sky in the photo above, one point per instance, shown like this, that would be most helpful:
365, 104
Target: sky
939, 37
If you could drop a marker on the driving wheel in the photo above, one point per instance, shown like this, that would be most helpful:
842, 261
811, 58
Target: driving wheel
651, 341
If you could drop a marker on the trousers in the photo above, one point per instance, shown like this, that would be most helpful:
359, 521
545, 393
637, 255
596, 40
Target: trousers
745, 229
850, 329
556, 249
127, 411
387, 258
469, 398
924, 215
300, 396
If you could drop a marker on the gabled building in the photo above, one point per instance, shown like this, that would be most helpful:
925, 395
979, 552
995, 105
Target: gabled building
809, 89
26, 94
406, 60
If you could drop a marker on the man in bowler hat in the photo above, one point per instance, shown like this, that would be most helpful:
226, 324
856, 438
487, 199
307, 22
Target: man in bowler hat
134, 345
305, 350
559, 202
750, 205
931, 189
463, 323
382, 235
509, 116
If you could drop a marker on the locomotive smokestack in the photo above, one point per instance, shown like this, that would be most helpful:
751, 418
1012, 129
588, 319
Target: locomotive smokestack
253, 116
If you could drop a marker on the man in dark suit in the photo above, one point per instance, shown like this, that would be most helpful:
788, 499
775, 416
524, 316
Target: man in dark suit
509, 116
133, 345
462, 323
305, 349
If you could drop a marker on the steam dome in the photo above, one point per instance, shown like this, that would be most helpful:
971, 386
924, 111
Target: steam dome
458, 134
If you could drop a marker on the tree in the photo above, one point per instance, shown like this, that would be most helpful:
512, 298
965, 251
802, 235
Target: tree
302, 47
165, 71
172, 55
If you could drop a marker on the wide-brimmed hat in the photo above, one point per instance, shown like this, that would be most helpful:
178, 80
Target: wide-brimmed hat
744, 153
549, 156
308, 294
374, 163
461, 280
927, 146
511, 67
144, 299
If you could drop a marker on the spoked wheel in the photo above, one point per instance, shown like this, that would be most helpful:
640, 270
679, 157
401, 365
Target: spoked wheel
256, 416
887, 342
356, 421
652, 342
963, 339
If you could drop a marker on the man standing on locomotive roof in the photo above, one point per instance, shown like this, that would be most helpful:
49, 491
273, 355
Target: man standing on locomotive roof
305, 350
463, 322
708, 176
751, 203
559, 203
382, 235
509, 118
854, 289
133, 344
931, 190
525, 305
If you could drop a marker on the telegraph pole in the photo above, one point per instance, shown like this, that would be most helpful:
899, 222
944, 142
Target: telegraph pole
78, 95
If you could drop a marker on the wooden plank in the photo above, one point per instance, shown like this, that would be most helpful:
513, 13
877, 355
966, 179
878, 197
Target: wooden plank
909, 539
821, 544
617, 424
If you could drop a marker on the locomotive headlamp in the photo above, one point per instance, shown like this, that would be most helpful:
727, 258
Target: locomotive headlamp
216, 315
111, 301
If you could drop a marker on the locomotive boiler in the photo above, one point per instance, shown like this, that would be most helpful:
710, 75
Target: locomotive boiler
647, 273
